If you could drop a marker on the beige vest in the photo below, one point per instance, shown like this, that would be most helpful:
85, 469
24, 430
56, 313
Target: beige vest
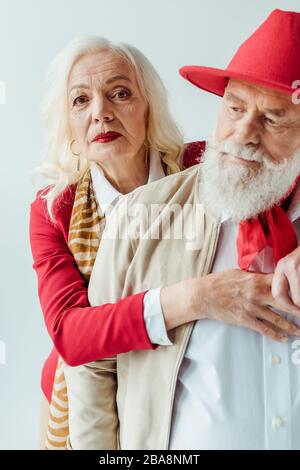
147, 379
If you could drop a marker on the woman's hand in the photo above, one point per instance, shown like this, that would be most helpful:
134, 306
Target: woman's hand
235, 297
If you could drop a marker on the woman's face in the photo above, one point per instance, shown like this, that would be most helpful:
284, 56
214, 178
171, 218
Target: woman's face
107, 112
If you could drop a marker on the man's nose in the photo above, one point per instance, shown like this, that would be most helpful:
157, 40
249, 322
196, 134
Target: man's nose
247, 132
101, 110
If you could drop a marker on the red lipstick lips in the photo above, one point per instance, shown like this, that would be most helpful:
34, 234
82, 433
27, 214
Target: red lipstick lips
106, 137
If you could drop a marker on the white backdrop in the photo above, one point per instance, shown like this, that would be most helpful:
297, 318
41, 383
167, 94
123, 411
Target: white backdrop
171, 33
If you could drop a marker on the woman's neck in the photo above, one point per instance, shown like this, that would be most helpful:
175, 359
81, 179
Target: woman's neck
127, 174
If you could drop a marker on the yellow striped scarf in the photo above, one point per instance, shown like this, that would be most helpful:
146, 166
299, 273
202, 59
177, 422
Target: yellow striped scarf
83, 241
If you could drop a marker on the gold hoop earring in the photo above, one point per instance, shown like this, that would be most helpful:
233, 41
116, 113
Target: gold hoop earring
76, 155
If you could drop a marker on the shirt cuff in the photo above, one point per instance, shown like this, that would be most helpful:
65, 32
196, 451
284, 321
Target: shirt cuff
154, 319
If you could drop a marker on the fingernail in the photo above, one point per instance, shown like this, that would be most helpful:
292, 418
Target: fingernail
297, 331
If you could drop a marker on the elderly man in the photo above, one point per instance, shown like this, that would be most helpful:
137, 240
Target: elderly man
215, 386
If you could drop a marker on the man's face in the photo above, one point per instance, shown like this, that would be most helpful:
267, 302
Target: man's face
254, 157
259, 118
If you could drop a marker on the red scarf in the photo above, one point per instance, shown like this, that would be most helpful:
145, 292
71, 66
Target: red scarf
271, 228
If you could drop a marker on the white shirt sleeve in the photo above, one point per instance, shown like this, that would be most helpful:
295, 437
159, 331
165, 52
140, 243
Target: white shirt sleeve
154, 318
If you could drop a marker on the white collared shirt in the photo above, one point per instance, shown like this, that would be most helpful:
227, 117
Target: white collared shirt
107, 197
237, 389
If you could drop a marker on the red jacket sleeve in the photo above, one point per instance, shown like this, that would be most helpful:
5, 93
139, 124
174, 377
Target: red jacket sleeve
80, 333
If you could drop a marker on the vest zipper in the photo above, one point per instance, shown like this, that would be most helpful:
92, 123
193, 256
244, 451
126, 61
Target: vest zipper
183, 349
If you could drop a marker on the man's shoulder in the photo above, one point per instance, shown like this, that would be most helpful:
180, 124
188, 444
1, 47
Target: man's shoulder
164, 189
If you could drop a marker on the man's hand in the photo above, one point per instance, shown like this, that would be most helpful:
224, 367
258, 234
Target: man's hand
286, 281
235, 297
245, 299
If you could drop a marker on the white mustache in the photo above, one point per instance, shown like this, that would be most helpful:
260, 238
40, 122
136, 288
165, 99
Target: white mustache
247, 153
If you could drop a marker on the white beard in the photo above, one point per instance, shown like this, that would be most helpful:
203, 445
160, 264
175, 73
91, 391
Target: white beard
240, 192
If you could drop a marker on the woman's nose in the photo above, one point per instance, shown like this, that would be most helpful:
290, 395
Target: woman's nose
102, 111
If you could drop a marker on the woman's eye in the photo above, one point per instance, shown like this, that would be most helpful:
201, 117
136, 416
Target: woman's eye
121, 94
79, 100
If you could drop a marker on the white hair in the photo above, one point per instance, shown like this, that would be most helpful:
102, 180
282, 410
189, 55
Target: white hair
59, 166
239, 192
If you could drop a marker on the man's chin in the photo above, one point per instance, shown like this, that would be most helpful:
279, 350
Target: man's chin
235, 174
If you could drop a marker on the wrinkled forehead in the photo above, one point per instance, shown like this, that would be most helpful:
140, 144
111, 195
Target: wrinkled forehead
100, 66
249, 93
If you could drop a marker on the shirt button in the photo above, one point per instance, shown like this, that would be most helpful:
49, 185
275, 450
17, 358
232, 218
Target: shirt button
277, 422
276, 359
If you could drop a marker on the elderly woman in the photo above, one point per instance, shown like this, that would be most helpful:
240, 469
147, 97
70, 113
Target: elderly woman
109, 131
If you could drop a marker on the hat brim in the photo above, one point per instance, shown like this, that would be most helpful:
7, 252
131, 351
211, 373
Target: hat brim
215, 80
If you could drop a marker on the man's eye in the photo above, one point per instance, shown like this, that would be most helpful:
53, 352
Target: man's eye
269, 121
79, 100
235, 109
